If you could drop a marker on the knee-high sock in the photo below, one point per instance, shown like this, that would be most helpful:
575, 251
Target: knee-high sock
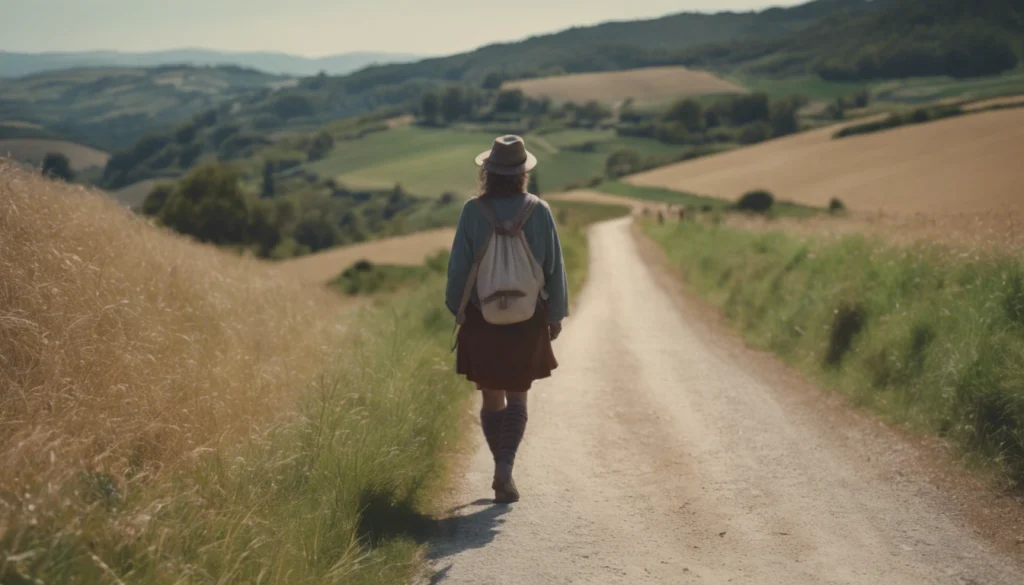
513, 425
490, 421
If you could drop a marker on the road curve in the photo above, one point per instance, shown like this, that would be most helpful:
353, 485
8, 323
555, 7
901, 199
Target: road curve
655, 455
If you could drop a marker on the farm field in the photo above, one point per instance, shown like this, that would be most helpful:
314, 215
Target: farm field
29, 150
429, 162
643, 85
964, 164
318, 269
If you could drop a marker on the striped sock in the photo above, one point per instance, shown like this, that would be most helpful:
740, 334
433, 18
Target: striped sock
490, 422
513, 426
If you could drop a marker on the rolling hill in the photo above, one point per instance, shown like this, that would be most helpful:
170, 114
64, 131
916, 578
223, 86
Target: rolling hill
643, 85
964, 164
32, 151
22, 64
111, 108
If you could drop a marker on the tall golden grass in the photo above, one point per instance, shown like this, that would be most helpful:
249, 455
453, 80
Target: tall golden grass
171, 413
124, 348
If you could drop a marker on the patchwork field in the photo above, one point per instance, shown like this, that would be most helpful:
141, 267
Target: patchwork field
430, 162
34, 150
965, 164
651, 84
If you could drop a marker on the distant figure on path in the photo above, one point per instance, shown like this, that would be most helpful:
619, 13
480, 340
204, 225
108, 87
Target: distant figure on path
506, 249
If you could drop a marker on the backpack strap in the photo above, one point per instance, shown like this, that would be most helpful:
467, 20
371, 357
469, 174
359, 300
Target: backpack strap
513, 227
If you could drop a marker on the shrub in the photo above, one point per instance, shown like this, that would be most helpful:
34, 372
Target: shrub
759, 201
754, 133
847, 322
836, 205
57, 166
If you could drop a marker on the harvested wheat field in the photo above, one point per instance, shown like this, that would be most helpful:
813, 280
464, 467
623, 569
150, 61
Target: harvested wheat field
968, 164
647, 85
410, 250
31, 150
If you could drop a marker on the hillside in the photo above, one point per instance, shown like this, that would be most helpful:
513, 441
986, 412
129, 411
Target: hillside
642, 85
149, 397
899, 39
33, 151
964, 164
22, 64
111, 108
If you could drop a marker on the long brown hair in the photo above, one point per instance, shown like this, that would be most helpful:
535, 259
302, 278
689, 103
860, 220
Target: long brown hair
496, 185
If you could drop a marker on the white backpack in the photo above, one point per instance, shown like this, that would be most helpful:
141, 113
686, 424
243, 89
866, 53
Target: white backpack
509, 280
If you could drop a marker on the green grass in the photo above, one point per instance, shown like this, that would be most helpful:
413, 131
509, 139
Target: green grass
367, 278
919, 335
431, 161
338, 492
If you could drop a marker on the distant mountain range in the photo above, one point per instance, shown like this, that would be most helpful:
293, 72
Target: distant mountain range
21, 64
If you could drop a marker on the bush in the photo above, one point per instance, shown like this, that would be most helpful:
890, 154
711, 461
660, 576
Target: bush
57, 166
836, 205
759, 201
754, 133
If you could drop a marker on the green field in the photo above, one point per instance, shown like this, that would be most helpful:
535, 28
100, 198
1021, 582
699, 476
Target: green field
429, 162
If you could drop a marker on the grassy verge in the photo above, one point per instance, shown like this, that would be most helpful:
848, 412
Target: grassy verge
919, 335
182, 415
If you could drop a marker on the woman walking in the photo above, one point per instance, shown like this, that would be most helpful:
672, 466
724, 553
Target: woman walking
504, 360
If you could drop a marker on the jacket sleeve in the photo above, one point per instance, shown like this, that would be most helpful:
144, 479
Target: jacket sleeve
556, 281
459, 263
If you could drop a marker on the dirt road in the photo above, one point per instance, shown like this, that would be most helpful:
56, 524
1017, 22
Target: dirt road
660, 453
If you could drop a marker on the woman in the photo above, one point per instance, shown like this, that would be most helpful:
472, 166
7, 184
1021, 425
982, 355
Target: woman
504, 360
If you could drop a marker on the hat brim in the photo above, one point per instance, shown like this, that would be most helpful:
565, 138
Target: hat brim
482, 160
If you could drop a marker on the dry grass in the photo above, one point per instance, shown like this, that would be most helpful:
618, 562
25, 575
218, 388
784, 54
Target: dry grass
171, 413
646, 85
318, 269
31, 150
968, 164
124, 350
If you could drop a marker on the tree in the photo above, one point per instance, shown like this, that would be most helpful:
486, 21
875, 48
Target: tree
209, 205
783, 117
592, 112
267, 190
534, 185
510, 101
57, 166
493, 80
322, 144
430, 107
689, 113
621, 163
157, 198
453, 104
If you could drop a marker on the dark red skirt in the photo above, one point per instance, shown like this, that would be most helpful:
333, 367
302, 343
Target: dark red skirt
505, 357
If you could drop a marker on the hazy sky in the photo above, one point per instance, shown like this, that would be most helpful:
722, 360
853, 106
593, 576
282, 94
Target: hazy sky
313, 27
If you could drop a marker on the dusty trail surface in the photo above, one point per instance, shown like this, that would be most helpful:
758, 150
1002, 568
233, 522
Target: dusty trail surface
661, 454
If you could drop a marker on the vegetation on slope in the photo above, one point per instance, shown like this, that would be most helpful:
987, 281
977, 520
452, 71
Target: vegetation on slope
112, 108
921, 334
153, 432
211, 204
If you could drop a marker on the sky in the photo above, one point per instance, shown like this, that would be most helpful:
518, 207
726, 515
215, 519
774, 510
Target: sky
314, 27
